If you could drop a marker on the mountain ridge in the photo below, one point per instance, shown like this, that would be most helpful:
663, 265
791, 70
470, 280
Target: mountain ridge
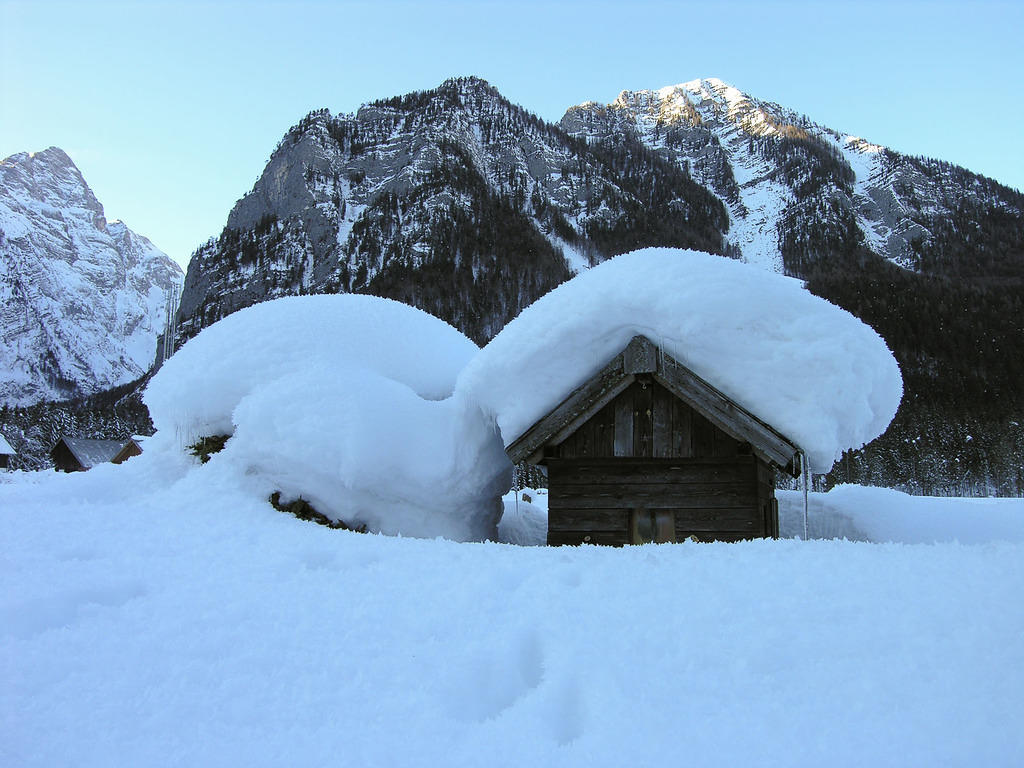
456, 181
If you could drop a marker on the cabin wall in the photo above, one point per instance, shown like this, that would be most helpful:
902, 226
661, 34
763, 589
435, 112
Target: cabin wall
64, 460
647, 421
649, 456
131, 449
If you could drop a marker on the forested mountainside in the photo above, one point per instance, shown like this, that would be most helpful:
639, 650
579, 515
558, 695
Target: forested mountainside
453, 200
81, 299
467, 206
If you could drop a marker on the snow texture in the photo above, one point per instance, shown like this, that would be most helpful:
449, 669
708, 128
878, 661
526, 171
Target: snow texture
337, 399
812, 371
196, 391
161, 613
5, 447
859, 513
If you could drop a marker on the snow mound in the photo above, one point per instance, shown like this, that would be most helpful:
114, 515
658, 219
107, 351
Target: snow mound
863, 513
337, 399
811, 370
196, 391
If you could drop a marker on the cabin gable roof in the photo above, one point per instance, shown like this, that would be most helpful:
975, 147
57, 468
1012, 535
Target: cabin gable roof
641, 357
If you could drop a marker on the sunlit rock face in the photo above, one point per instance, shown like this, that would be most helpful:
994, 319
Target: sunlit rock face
797, 192
82, 300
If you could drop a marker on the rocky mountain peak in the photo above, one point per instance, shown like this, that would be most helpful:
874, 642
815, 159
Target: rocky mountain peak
51, 178
81, 300
455, 181
469, 88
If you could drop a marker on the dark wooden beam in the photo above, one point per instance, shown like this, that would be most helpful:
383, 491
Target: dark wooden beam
573, 411
725, 414
640, 356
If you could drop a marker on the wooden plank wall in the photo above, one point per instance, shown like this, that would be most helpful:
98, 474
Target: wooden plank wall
590, 500
646, 420
766, 499
649, 450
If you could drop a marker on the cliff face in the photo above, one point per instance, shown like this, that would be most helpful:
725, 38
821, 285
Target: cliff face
81, 299
453, 200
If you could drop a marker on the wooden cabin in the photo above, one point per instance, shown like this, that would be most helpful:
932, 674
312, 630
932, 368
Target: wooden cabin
647, 451
131, 448
76, 454
6, 453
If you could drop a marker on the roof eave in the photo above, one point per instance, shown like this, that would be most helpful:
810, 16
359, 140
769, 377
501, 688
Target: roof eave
642, 356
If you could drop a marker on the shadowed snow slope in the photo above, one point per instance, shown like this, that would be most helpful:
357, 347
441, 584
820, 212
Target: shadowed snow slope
162, 614
813, 371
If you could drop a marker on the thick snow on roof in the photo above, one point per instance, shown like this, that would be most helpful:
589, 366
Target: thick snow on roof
337, 399
812, 371
5, 447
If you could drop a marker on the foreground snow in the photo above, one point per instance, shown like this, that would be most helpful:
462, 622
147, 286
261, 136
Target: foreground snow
162, 613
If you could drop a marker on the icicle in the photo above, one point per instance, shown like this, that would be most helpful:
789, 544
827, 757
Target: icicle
805, 471
516, 489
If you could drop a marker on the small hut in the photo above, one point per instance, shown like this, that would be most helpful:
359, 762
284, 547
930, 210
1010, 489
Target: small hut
647, 451
6, 453
75, 454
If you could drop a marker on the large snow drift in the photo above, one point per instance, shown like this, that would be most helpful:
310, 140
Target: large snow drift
338, 399
813, 371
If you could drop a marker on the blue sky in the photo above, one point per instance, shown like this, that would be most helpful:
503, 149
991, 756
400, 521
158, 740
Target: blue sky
171, 110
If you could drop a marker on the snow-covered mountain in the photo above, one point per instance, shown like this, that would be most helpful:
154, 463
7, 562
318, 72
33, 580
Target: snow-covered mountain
797, 192
82, 300
470, 207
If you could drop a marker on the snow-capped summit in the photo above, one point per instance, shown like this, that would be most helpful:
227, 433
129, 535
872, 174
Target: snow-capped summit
796, 191
82, 300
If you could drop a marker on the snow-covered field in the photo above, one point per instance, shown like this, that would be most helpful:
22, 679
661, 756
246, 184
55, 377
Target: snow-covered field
163, 613
167, 615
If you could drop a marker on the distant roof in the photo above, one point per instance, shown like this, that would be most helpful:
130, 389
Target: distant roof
5, 447
92, 452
